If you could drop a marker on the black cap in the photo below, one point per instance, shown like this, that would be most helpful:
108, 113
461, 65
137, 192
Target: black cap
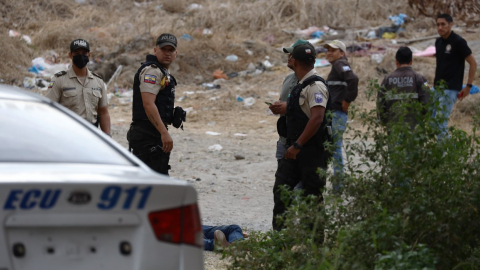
79, 44
304, 52
167, 39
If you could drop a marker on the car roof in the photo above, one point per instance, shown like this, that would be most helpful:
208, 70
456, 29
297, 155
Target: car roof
11, 92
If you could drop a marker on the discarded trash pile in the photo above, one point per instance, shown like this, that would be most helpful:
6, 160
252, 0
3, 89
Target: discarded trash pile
217, 43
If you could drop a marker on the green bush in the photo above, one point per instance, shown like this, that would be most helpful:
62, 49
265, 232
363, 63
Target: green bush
410, 200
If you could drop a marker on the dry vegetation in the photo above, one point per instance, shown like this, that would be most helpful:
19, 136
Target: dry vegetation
466, 10
122, 32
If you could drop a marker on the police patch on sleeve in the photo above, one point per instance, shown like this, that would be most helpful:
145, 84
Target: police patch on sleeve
346, 68
150, 79
51, 84
318, 98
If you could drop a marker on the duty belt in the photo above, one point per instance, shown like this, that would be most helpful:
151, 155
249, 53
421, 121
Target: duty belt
390, 96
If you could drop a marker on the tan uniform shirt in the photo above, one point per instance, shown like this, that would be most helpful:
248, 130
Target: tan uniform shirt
152, 80
83, 99
315, 94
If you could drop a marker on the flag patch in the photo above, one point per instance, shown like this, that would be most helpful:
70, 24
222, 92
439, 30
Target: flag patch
318, 98
51, 84
150, 79
346, 68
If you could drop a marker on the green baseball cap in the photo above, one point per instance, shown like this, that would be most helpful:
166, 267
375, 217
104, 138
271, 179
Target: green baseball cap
298, 42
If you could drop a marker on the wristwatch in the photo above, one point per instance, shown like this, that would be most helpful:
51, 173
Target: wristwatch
297, 146
470, 85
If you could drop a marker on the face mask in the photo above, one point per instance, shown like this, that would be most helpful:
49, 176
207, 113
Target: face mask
80, 61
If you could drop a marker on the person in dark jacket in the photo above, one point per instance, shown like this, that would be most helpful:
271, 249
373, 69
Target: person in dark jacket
343, 85
403, 84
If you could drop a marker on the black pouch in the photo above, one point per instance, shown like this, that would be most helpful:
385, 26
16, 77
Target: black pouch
282, 126
179, 116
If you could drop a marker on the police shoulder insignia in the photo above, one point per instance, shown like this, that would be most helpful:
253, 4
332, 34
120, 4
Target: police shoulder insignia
150, 79
51, 85
60, 74
346, 68
96, 75
318, 97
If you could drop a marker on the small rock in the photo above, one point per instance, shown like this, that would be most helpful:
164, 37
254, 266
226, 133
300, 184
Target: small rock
239, 156
198, 179
213, 190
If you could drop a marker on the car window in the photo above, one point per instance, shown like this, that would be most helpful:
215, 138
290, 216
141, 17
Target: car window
38, 132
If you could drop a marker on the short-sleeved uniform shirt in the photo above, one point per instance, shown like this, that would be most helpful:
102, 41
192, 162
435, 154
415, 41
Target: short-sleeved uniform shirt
451, 54
83, 99
152, 80
288, 84
315, 94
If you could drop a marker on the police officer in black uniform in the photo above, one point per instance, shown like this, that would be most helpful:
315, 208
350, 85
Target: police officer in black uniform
306, 132
402, 85
153, 107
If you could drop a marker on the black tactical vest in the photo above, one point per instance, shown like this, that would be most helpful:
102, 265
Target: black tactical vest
165, 98
297, 120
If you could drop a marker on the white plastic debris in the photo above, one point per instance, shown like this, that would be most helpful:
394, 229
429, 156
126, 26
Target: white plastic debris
207, 32
240, 134
249, 52
232, 58
215, 147
27, 39
13, 33
377, 58
249, 101
188, 110
194, 6
267, 64
189, 92
212, 133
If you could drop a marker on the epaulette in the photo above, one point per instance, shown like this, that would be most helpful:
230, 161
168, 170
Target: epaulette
153, 65
96, 75
60, 74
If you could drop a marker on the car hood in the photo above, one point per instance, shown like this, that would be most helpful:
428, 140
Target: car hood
80, 173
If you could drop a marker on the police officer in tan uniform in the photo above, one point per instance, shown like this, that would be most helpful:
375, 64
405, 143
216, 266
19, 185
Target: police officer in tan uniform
153, 106
306, 132
81, 90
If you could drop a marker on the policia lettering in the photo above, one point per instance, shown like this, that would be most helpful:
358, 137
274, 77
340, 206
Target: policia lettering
312, 156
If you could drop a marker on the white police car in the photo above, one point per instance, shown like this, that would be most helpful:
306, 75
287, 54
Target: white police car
72, 198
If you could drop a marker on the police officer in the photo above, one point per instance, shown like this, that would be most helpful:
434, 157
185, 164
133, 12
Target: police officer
81, 90
153, 106
343, 85
403, 84
306, 132
280, 106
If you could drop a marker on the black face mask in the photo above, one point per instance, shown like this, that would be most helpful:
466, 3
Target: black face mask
80, 61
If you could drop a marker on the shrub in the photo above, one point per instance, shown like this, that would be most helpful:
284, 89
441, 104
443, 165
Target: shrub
410, 200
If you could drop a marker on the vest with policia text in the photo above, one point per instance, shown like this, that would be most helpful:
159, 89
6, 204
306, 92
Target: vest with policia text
297, 120
164, 100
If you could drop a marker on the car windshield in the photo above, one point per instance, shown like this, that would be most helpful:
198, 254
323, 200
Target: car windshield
38, 132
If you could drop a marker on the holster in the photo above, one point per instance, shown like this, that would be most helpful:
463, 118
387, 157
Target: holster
282, 126
179, 116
